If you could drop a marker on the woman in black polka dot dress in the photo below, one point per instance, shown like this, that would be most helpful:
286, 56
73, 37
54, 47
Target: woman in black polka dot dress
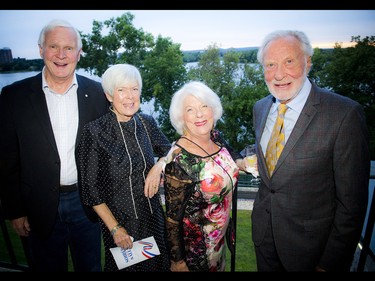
115, 154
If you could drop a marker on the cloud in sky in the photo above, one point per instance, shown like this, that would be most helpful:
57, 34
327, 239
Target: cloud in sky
195, 29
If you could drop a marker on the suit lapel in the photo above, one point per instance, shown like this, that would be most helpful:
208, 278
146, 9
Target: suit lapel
82, 96
263, 107
39, 104
307, 114
86, 103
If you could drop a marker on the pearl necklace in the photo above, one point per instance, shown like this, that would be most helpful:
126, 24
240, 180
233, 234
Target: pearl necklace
131, 164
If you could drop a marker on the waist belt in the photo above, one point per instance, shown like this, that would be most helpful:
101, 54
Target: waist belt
69, 188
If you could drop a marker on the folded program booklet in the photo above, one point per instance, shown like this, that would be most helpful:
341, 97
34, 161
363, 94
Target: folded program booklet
142, 250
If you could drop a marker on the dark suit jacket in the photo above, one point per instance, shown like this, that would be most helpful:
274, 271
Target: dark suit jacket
29, 160
317, 195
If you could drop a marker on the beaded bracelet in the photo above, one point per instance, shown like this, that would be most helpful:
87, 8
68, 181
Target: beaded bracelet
114, 229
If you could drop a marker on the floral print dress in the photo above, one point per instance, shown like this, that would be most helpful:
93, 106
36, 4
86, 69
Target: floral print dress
198, 195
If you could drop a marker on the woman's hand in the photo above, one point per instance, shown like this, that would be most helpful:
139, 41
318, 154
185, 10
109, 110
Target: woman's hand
123, 239
179, 266
241, 164
153, 179
249, 164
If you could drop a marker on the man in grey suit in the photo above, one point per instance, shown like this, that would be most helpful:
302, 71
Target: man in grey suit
41, 119
308, 215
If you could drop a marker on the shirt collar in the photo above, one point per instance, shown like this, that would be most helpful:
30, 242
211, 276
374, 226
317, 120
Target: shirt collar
299, 101
45, 85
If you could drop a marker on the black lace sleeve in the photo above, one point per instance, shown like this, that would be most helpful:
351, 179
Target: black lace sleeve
178, 187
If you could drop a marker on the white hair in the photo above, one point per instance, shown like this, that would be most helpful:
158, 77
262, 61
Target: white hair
202, 92
299, 35
120, 74
58, 23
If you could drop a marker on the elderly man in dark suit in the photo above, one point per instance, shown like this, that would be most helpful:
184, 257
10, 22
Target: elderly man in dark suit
309, 211
40, 123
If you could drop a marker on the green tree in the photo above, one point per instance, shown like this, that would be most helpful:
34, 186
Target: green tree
249, 56
191, 56
351, 72
239, 86
160, 61
250, 89
209, 68
320, 60
235, 121
123, 43
163, 74
347, 71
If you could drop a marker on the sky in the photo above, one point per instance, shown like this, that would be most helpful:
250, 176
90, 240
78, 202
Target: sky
195, 29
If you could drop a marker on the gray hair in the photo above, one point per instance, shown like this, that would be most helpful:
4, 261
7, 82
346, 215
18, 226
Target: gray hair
118, 75
299, 35
58, 23
202, 92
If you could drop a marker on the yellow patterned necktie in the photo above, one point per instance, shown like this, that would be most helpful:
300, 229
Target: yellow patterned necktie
277, 140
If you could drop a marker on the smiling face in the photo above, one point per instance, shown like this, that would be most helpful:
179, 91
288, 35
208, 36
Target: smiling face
285, 67
60, 53
198, 117
126, 101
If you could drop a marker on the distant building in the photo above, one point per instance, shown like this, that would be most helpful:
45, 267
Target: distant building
6, 55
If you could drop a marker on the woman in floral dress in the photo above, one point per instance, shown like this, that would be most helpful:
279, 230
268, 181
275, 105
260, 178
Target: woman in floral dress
199, 178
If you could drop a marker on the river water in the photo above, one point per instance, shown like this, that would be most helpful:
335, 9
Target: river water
9, 78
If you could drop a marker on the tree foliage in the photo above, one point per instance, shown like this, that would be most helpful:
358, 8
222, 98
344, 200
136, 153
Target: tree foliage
20, 64
114, 41
163, 74
234, 76
350, 72
239, 86
159, 60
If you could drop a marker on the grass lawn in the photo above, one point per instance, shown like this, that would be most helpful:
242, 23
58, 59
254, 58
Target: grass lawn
245, 256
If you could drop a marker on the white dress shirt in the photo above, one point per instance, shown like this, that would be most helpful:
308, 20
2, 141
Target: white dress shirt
63, 112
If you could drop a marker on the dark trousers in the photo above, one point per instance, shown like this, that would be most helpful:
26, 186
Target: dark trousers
266, 254
72, 231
